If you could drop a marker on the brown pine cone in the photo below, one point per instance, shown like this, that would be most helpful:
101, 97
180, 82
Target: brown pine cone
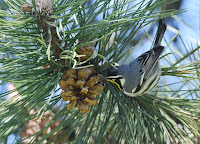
44, 7
35, 125
87, 51
81, 87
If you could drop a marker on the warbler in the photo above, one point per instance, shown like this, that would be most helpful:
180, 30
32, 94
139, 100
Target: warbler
143, 73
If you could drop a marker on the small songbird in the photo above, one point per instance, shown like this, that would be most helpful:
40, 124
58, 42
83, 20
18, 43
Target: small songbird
142, 74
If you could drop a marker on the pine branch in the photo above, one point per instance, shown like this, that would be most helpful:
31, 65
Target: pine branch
38, 45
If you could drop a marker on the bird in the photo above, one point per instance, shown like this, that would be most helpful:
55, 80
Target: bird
142, 74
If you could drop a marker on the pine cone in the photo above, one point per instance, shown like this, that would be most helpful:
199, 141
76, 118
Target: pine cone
26, 8
87, 51
44, 7
35, 125
81, 87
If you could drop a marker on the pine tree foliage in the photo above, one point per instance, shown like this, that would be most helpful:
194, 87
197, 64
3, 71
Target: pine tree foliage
29, 43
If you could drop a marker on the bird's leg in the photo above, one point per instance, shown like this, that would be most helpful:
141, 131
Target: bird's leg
154, 99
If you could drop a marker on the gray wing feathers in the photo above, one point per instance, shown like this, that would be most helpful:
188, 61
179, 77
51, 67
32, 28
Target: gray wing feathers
149, 59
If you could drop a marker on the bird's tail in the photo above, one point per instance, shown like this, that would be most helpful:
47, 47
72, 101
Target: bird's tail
160, 33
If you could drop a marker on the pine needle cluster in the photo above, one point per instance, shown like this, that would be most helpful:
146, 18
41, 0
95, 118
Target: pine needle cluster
41, 40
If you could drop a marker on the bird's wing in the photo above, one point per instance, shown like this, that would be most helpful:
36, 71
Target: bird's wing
148, 61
